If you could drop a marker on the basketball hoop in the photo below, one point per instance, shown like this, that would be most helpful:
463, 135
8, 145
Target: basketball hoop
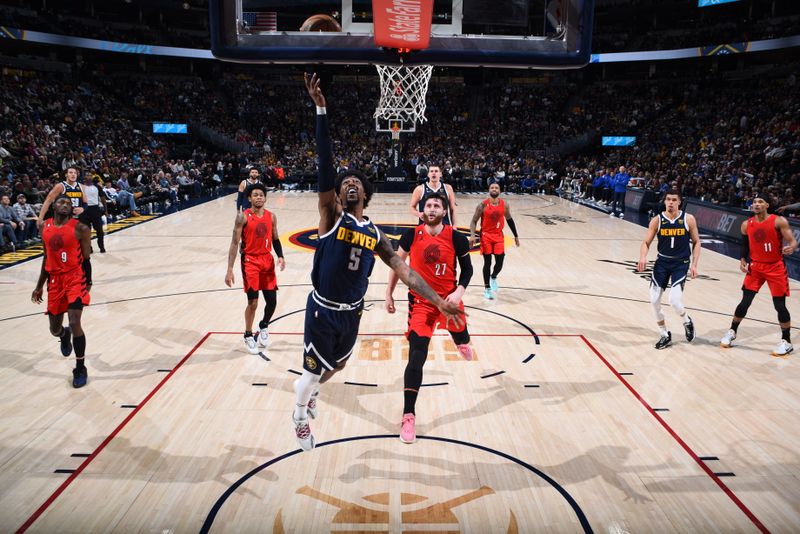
403, 91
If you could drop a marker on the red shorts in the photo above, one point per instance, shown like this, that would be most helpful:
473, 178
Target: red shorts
492, 244
424, 318
66, 288
774, 274
258, 272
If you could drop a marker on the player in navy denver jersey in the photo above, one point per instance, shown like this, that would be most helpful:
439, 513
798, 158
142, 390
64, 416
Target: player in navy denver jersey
676, 258
343, 262
432, 185
69, 188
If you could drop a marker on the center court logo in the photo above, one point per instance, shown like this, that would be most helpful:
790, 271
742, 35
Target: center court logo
381, 511
373, 483
308, 238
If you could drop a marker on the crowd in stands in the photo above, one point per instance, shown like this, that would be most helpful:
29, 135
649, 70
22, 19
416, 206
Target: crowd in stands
722, 142
719, 141
51, 123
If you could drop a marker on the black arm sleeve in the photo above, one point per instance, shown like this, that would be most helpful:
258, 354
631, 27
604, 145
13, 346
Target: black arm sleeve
239, 199
278, 247
326, 171
513, 226
745, 247
461, 244
407, 239
87, 270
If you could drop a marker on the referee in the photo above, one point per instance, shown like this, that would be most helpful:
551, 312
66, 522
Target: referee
91, 215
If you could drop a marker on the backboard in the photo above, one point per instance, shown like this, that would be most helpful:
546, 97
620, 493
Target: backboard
549, 34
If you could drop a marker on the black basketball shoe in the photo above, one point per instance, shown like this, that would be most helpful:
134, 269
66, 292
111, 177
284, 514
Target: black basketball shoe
688, 328
665, 341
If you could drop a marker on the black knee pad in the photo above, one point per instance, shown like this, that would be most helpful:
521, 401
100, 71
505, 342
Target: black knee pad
252, 294
780, 307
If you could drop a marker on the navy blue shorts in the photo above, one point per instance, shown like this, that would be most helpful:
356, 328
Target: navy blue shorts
329, 336
670, 272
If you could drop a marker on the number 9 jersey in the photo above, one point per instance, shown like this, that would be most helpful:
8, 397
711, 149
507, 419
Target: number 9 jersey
61, 246
344, 259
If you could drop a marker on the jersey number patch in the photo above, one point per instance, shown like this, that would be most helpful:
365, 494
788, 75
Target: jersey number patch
355, 259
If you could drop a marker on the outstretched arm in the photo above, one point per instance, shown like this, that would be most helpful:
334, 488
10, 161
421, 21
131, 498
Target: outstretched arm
235, 238
789, 208
326, 173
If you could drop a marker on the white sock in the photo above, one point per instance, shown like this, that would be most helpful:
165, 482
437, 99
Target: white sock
663, 330
304, 387
686, 318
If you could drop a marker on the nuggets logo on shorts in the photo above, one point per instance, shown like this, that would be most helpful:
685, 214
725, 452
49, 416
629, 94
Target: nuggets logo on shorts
432, 254
311, 363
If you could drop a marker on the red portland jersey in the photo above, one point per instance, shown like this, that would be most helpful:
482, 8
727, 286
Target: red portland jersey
63, 249
765, 241
257, 233
493, 219
434, 258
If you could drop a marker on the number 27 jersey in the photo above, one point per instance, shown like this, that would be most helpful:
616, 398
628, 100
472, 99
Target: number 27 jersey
344, 259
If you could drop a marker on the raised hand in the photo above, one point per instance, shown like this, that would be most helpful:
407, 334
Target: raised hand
314, 90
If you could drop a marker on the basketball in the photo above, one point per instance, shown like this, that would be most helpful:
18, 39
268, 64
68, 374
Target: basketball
320, 23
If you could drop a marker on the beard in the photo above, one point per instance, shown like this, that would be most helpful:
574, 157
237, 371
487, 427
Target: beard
494, 195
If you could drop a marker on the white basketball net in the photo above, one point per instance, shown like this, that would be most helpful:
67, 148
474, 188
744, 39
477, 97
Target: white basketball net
403, 90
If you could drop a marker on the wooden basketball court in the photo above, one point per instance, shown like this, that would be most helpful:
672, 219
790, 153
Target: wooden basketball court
568, 420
